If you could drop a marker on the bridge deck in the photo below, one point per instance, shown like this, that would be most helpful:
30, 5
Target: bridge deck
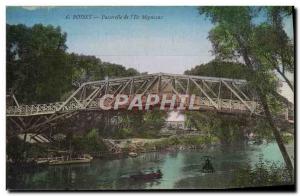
224, 105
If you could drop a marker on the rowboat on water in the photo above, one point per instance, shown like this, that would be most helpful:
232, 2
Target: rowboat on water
132, 154
63, 161
147, 176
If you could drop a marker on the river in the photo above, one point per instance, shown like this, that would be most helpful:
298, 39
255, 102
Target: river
180, 170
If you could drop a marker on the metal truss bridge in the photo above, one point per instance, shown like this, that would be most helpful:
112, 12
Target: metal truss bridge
214, 94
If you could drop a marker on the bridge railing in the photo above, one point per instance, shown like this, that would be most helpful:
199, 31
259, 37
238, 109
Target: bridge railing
37, 109
225, 105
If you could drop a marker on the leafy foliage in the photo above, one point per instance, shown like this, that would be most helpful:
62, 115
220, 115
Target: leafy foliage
218, 68
91, 142
266, 45
262, 174
37, 69
140, 124
228, 129
40, 70
262, 47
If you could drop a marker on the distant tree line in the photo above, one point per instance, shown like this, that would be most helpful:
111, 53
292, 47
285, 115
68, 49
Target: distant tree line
39, 68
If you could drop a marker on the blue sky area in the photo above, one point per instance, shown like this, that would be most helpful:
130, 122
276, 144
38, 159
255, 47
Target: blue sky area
172, 44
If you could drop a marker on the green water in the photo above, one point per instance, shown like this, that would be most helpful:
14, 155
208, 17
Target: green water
180, 170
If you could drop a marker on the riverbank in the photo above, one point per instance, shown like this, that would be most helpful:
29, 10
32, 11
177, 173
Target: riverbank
137, 146
175, 144
170, 144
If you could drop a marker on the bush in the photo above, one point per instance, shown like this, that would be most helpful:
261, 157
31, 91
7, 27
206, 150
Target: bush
174, 141
91, 142
287, 138
262, 174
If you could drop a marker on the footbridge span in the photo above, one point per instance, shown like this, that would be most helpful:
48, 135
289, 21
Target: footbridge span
222, 95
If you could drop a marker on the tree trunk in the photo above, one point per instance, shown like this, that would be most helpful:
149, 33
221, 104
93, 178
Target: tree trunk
276, 133
264, 102
286, 79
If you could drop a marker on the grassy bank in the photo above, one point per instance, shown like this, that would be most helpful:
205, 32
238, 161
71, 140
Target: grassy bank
182, 141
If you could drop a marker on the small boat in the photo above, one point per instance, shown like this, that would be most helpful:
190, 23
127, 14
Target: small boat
62, 161
42, 161
132, 154
251, 142
149, 176
71, 161
207, 167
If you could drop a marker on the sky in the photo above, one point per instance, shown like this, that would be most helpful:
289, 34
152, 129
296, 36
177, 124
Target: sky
172, 44
174, 41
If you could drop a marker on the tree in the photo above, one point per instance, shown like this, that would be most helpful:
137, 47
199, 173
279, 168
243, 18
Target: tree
40, 70
36, 63
275, 47
85, 68
140, 123
154, 120
233, 38
218, 68
223, 126
90, 68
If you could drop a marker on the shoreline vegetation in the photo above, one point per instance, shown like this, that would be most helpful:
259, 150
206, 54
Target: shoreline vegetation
135, 145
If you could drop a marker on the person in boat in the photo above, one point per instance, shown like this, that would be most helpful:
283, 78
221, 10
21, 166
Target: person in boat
207, 167
159, 172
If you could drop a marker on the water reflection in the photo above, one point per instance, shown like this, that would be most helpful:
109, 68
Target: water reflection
180, 170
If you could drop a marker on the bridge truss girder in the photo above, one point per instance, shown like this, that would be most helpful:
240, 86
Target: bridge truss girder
220, 94
217, 94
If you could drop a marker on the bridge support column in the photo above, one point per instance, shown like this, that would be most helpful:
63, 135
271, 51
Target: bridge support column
24, 153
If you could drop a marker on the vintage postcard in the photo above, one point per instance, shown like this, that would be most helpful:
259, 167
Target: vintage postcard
150, 98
